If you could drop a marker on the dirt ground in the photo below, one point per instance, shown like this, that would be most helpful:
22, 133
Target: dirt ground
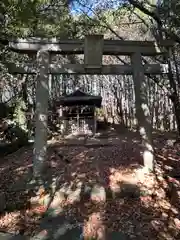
154, 213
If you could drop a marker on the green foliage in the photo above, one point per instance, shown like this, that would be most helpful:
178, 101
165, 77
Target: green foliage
169, 12
17, 139
5, 111
15, 134
19, 114
99, 112
48, 18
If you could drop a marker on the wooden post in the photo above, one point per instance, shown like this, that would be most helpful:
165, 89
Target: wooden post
95, 121
61, 120
142, 110
93, 51
41, 115
78, 119
50, 84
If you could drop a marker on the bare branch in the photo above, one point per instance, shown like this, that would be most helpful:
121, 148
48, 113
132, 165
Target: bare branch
157, 19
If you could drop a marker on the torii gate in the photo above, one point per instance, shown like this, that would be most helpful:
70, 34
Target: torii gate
93, 47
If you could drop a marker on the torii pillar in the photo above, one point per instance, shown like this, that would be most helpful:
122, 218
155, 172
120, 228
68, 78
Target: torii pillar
41, 114
143, 115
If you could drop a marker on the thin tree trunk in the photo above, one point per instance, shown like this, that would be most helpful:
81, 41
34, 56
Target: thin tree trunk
176, 103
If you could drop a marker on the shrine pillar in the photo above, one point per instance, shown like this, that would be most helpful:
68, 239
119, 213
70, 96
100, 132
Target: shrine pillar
143, 115
41, 114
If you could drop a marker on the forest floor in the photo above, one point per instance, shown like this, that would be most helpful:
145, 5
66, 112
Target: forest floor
137, 204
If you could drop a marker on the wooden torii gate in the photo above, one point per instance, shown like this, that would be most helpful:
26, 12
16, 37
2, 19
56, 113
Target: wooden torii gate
93, 47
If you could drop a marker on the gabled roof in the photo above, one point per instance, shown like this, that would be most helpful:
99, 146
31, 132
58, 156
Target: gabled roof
80, 98
77, 93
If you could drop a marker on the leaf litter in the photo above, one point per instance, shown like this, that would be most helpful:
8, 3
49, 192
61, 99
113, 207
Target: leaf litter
154, 213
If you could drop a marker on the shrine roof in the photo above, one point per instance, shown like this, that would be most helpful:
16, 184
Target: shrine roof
79, 97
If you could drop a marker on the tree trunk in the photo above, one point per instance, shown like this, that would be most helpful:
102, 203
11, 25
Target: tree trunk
24, 90
173, 81
174, 96
176, 103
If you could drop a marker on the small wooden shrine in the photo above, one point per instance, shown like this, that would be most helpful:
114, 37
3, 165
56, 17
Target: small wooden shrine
77, 112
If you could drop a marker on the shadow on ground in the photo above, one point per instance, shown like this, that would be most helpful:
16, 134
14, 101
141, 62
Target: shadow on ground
98, 188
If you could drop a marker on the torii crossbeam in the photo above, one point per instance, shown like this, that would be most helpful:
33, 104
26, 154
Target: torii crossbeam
109, 47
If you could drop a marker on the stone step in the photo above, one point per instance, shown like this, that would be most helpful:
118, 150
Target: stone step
88, 192
97, 192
